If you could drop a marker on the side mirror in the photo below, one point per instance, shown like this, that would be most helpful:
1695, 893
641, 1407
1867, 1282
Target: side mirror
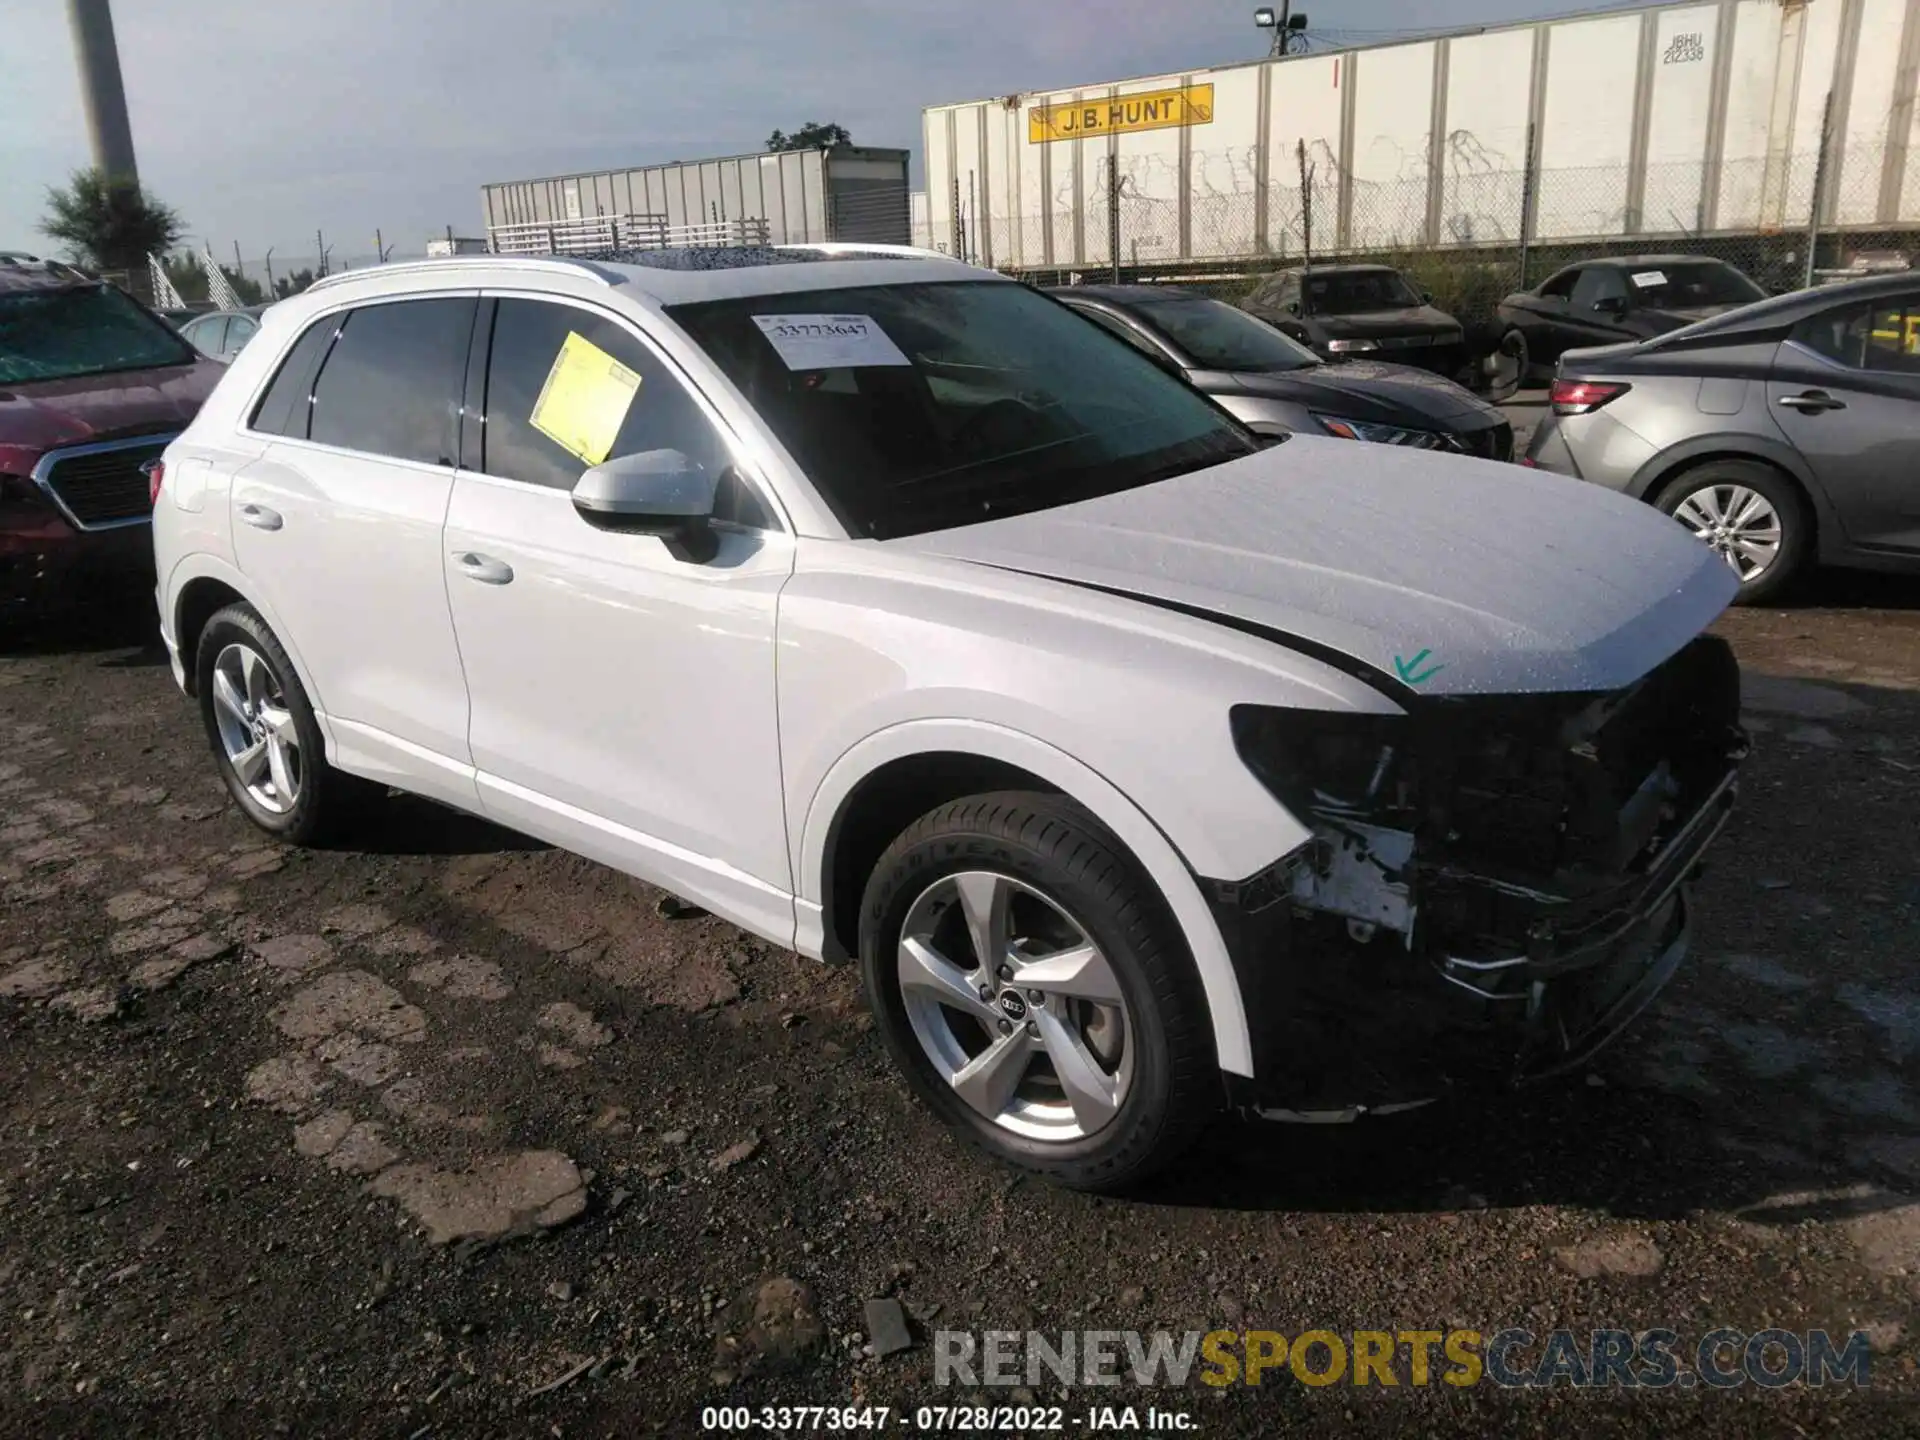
1293, 307
1426, 297
656, 492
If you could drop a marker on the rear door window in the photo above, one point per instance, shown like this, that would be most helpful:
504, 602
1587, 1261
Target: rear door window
240, 329
391, 384
1561, 286
1598, 283
1883, 336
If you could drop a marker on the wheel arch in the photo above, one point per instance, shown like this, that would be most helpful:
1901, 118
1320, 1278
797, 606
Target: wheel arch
202, 586
1671, 465
923, 756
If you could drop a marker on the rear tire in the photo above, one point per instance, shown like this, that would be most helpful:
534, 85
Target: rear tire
1753, 516
1094, 1071
266, 743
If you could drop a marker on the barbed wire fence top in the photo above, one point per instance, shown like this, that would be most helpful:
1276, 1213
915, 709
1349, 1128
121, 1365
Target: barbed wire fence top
1462, 237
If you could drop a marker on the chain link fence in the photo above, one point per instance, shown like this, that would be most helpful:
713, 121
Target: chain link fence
1476, 236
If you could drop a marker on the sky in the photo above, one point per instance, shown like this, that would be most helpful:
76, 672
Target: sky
263, 122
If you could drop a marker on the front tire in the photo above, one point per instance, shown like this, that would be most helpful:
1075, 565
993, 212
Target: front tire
266, 742
1035, 992
1752, 516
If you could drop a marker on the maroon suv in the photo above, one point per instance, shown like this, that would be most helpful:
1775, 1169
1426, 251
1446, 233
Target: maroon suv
92, 386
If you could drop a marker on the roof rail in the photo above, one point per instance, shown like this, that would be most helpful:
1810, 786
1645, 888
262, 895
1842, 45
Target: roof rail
543, 264
861, 247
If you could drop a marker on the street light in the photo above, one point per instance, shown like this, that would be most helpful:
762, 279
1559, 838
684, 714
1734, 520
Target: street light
1285, 25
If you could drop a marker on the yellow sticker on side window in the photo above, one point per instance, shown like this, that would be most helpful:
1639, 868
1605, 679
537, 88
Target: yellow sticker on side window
585, 398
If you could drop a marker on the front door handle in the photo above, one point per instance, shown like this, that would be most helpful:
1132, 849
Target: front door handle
260, 517
1811, 402
484, 568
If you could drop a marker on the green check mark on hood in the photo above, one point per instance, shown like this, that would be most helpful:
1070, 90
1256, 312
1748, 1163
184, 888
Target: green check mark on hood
1410, 671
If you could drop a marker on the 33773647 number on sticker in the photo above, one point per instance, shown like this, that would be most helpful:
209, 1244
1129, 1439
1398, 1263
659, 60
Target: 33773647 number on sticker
829, 342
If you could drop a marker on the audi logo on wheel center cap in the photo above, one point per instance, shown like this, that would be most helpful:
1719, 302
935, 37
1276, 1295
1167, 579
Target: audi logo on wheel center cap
1013, 1005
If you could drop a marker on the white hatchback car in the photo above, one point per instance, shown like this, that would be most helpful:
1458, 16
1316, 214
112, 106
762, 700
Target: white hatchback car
889, 609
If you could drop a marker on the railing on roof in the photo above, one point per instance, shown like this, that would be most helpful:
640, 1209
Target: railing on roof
620, 232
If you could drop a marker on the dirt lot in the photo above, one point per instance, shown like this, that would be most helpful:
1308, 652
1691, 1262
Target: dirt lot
385, 1140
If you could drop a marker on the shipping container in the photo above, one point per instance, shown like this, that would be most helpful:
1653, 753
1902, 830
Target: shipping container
843, 192
1670, 121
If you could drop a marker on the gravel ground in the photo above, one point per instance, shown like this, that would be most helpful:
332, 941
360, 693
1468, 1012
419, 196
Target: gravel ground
385, 1140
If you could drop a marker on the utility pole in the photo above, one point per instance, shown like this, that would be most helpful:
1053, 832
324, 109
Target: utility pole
1306, 214
101, 92
272, 293
1285, 26
1819, 190
320, 245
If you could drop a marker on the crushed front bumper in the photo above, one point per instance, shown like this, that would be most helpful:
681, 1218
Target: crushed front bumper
1385, 966
1395, 1031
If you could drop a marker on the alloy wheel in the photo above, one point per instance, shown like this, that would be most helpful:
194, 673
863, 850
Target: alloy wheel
1015, 1006
1738, 522
257, 732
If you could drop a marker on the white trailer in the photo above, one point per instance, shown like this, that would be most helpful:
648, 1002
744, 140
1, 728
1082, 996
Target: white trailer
1675, 120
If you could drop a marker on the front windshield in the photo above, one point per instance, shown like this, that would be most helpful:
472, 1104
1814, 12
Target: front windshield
90, 330
1216, 336
920, 407
1692, 287
1357, 292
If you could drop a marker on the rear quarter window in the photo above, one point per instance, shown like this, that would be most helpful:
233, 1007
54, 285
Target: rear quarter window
284, 408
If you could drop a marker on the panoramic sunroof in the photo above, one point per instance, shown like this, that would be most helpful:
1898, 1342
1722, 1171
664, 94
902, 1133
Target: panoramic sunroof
723, 257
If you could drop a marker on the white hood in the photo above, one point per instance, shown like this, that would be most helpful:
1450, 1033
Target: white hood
1459, 576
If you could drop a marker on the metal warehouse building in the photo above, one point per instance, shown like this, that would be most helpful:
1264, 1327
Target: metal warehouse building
1678, 120
844, 192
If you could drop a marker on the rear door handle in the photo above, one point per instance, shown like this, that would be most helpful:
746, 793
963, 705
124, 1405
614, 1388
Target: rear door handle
260, 517
1811, 402
484, 568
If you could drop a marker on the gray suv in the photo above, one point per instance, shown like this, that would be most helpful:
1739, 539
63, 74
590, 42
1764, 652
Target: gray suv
1783, 434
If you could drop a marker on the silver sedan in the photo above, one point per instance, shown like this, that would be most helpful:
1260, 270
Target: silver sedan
1783, 434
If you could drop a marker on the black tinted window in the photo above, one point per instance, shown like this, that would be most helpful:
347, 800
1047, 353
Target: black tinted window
391, 384
1597, 283
1693, 285
1882, 336
1216, 336
645, 408
283, 409
914, 407
1560, 286
1356, 292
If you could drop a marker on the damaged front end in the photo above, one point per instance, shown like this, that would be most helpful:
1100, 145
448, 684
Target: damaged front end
1495, 887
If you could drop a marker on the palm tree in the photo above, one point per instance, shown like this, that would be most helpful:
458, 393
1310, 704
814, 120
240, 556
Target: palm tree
110, 223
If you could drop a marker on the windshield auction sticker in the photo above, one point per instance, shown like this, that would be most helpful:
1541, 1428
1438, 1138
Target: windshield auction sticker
585, 398
829, 342
1646, 279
